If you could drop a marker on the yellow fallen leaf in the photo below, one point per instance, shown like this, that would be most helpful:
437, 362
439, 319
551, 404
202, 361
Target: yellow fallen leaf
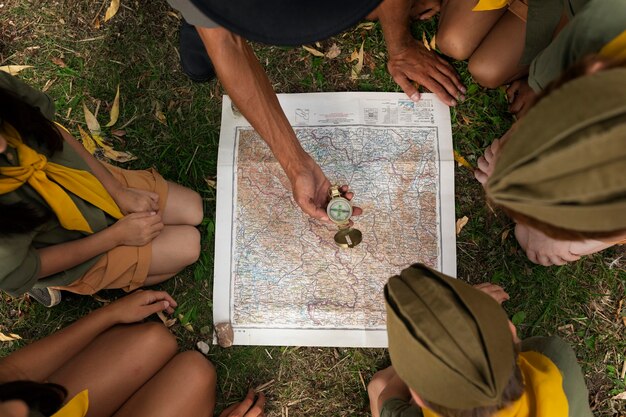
188, 327
461, 161
112, 10
96, 23
211, 182
505, 234
333, 52
312, 51
366, 26
168, 322
14, 69
158, 113
58, 61
460, 224
115, 110
424, 41
109, 152
9, 337
87, 141
356, 68
433, 42
92, 122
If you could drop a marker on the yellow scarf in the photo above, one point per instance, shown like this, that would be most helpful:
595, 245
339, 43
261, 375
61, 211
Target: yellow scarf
615, 49
51, 181
76, 407
484, 5
543, 390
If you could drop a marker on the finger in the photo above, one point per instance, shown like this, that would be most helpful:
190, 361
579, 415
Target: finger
440, 92
570, 257
532, 256
430, 13
257, 409
349, 195
448, 70
407, 86
483, 164
150, 309
227, 412
557, 260
164, 295
544, 260
447, 83
516, 105
488, 154
246, 403
480, 176
357, 211
141, 215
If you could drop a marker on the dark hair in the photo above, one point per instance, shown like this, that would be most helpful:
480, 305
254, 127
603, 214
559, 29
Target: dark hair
512, 392
46, 398
23, 217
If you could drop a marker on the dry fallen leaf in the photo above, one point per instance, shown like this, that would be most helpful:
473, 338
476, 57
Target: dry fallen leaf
462, 161
211, 182
87, 141
505, 234
425, 41
9, 337
58, 61
466, 119
100, 299
312, 51
188, 327
109, 152
333, 52
460, 224
92, 122
356, 68
14, 69
158, 113
115, 109
112, 10
96, 23
366, 25
167, 322
433, 42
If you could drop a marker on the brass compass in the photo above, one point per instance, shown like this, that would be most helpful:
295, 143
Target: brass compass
339, 211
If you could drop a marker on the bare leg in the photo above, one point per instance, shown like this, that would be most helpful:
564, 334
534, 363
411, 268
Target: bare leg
377, 385
116, 364
496, 61
184, 387
461, 30
184, 206
174, 248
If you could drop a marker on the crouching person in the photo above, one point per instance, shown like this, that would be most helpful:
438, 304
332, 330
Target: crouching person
454, 353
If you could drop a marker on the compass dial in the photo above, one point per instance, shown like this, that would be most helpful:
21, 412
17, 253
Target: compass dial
339, 210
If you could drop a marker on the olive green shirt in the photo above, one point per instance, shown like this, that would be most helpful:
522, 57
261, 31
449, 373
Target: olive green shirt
557, 350
592, 25
19, 259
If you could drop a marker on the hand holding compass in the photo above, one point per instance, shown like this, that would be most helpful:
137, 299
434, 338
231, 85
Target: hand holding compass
339, 211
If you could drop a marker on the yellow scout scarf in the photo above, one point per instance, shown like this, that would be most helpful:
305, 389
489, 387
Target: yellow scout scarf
51, 181
543, 392
76, 407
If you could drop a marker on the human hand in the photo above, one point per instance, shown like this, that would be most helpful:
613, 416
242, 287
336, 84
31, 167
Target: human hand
425, 9
521, 97
134, 200
310, 190
139, 305
137, 229
247, 408
416, 63
494, 291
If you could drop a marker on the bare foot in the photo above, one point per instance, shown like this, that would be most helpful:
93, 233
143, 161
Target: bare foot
544, 250
521, 97
494, 291
487, 162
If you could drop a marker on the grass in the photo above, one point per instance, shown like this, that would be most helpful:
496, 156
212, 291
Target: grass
137, 49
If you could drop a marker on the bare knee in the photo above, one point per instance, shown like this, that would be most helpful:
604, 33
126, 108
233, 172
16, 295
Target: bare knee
196, 209
155, 337
377, 384
486, 73
198, 372
191, 242
452, 43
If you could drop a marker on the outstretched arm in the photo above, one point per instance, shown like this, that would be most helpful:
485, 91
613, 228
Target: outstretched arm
247, 84
40, 359
410, 61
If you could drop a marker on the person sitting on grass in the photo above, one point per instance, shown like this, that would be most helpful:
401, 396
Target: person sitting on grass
454, 353
70, 222
109, 364
560, 171
529, 44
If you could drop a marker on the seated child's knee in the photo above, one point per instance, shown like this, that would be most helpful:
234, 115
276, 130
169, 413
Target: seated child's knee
199, 371
192, 246
485, 73
197, 209
452, 44
156, 336
376, 384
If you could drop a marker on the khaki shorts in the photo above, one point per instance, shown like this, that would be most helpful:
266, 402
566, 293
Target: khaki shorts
124, 267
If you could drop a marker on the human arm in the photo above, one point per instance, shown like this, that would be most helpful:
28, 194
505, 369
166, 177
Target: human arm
136, 229
129, 200
410, 61
40, 359
247, 84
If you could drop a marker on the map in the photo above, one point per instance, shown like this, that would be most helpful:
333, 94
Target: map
286, 281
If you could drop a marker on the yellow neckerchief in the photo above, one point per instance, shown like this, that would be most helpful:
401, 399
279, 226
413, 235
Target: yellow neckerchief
543, 390
616, 48
76, 407
490, 5
51, 181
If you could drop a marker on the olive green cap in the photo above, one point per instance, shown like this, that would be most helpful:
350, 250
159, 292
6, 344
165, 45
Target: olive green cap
448, 341
565, 162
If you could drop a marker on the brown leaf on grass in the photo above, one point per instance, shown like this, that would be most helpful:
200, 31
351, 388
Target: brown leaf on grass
14, 69
58, 61
92, 122
425, 41
460, 224
354, 56
109, 152
9, 337
118, 132
356, 68
158, 113
466, 119
115, 109
462, 161
366, 25
167, 322
87, 141
112, 10
96, 23
505, 234
312, 51
333, 52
